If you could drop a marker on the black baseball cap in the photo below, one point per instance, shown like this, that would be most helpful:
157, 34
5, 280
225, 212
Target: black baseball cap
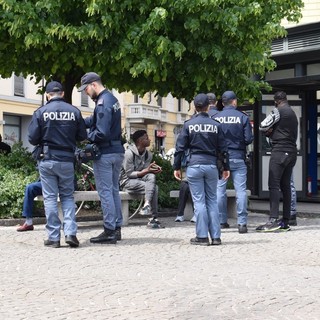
201, 100
87, 79
54, 86
228, 95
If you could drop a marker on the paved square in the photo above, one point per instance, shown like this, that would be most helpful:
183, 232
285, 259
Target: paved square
157, 274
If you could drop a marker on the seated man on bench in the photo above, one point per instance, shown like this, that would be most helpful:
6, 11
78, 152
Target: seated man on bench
138, 175
31, 191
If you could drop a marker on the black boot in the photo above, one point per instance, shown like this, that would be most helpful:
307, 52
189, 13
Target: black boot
108, 236
118, 233
293, 220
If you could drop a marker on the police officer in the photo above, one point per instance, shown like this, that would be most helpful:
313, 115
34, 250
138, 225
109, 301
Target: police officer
205, 140
105, 131
213, 110
56, 127
238, 134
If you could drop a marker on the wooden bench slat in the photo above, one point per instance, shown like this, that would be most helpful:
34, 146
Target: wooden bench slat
94, 196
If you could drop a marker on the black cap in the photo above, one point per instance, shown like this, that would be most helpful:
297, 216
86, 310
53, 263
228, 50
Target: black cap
54, 86
201, 100
87, 79
228, 95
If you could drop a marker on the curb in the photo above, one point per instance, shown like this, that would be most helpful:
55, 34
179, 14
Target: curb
80, 218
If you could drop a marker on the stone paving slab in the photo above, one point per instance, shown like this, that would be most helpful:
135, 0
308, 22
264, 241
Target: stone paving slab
158, 274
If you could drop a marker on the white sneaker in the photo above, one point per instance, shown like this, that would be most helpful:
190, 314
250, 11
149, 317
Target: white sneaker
193, 219
145, 211
179, 219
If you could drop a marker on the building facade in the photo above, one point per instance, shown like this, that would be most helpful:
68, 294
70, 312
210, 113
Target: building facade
162, 117
298, 74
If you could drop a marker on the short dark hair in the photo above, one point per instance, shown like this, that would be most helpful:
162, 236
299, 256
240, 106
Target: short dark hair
138, 134
280, 96
212, 97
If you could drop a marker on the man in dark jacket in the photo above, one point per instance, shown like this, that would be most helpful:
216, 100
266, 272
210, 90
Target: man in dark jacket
205, 140
213, 109
55, 128
281, 126
105, 131
238, 134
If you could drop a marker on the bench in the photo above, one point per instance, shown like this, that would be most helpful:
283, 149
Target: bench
93, 196
231, 203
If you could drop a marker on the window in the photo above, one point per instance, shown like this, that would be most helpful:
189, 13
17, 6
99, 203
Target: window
135, 98
12, 129
179, 105
159, 101
84, 99
18, 86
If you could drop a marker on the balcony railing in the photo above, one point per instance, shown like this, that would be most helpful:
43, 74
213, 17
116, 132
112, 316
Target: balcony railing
138, 112
181, 117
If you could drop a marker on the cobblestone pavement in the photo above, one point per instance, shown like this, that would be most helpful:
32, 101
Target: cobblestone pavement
157, 274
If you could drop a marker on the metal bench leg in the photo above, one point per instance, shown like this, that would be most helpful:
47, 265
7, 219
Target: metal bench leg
125, 212
138, 209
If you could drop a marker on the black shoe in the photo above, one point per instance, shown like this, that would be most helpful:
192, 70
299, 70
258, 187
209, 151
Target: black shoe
224, 225
270, 226
293, 220
216, 241
72, 241
118, 233
200, 241
283, 227
154, 223
242, 228
52, 244
108, 236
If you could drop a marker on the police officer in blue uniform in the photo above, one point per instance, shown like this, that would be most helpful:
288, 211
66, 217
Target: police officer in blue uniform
213, 109
205, 140
105, 131
238, 134
55, 128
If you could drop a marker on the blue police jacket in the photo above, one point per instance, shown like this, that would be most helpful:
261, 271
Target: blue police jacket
105, 124
237, 130
57, 126
203, 137
213, 111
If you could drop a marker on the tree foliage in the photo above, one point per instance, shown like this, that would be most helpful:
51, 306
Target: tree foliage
180, 46
17, 169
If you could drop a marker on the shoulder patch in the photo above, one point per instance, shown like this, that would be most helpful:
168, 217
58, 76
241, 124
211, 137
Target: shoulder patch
216, 120
116, 106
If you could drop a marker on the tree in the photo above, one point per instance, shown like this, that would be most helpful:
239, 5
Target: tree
182, 46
